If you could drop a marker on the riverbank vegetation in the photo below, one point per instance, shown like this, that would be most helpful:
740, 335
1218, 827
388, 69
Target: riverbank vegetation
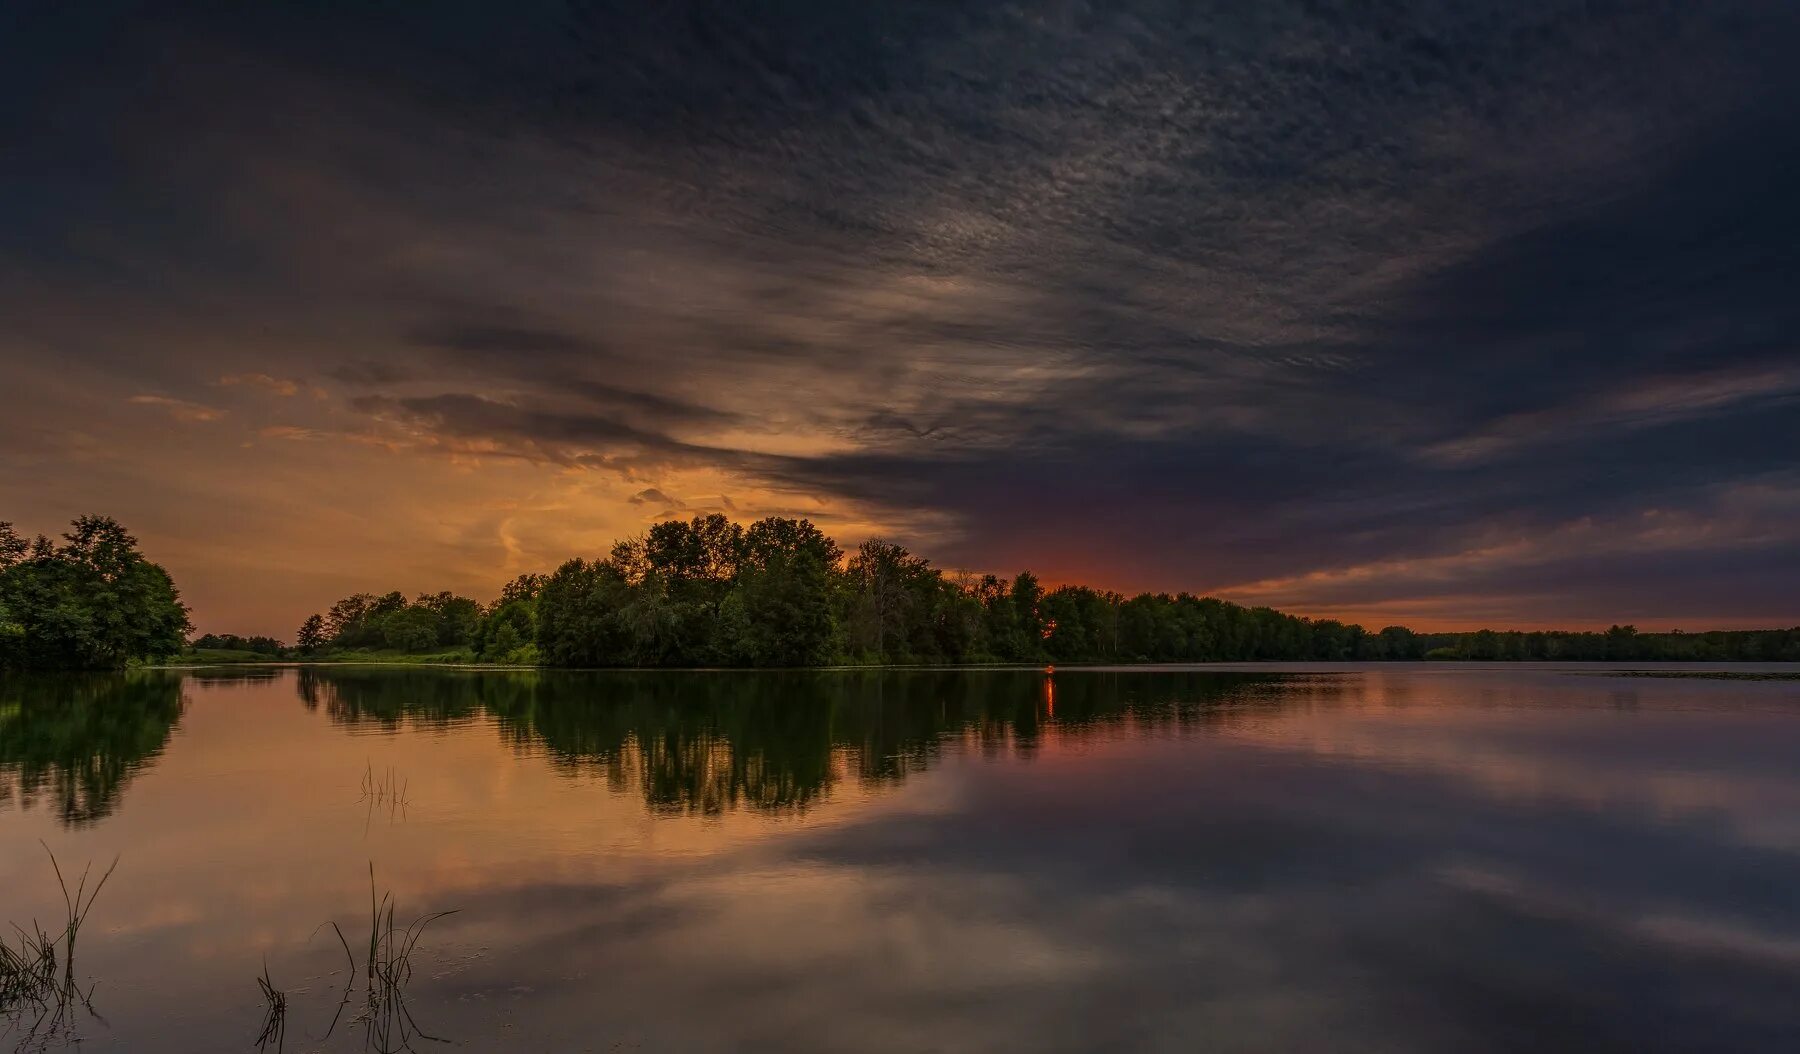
91, 602
710, 592
39, 995
779, 592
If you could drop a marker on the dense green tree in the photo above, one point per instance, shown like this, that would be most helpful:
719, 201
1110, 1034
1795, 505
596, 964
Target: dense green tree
355, 621
680, 572
413, 628
890, 602
1080, 624
93, 602
13, 550
581, 615
1400, 643
233, 642
509, 627
1027, 644
311, 636
523, 588
456, 617
779, 611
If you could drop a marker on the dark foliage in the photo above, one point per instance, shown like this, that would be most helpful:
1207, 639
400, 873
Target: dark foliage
232, 642
91, 603
709, 592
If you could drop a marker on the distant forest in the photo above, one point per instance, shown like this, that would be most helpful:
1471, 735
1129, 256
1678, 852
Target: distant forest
710, 592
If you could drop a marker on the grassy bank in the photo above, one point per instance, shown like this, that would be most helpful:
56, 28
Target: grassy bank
353, 656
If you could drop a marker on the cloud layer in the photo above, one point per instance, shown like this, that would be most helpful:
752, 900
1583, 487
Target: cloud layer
1455, 313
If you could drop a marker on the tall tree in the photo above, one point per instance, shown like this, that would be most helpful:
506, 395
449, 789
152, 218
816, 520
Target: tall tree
779, 611
311, 636
580, 615
94, 602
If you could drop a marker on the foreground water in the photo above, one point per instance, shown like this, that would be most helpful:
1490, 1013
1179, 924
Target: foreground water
1376, 858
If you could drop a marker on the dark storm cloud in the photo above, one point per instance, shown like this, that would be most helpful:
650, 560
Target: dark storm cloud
1170, 295
504, 340
555, 359
533, 431
368, 372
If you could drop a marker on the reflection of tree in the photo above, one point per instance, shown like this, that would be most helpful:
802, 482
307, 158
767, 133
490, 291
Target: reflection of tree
381, 698
706, 742
235, 675
79, 738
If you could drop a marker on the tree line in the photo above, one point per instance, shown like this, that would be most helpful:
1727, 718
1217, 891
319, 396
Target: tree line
268, 646
779, 592
90, 601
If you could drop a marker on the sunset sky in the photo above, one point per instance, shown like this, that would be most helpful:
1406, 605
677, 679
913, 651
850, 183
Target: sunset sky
1451, 314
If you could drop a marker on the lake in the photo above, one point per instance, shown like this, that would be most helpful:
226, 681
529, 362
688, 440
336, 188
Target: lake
1374, 858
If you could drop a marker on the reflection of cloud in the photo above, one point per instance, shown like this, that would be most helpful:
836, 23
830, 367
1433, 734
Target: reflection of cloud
1675, 929
1543, 744
1208, 879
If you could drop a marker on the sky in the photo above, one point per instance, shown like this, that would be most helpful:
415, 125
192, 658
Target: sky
1448, 314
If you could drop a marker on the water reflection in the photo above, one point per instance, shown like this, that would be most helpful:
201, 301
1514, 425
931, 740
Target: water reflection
707, 742
1393, 859
74, 742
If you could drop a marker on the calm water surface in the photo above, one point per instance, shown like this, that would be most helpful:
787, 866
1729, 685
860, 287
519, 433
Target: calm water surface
1365, 859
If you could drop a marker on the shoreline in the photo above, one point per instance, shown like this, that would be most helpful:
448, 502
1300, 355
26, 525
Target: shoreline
1745, 670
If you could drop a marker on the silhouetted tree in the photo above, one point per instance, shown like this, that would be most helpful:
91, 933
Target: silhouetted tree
706, 592
92, 602
311, 636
